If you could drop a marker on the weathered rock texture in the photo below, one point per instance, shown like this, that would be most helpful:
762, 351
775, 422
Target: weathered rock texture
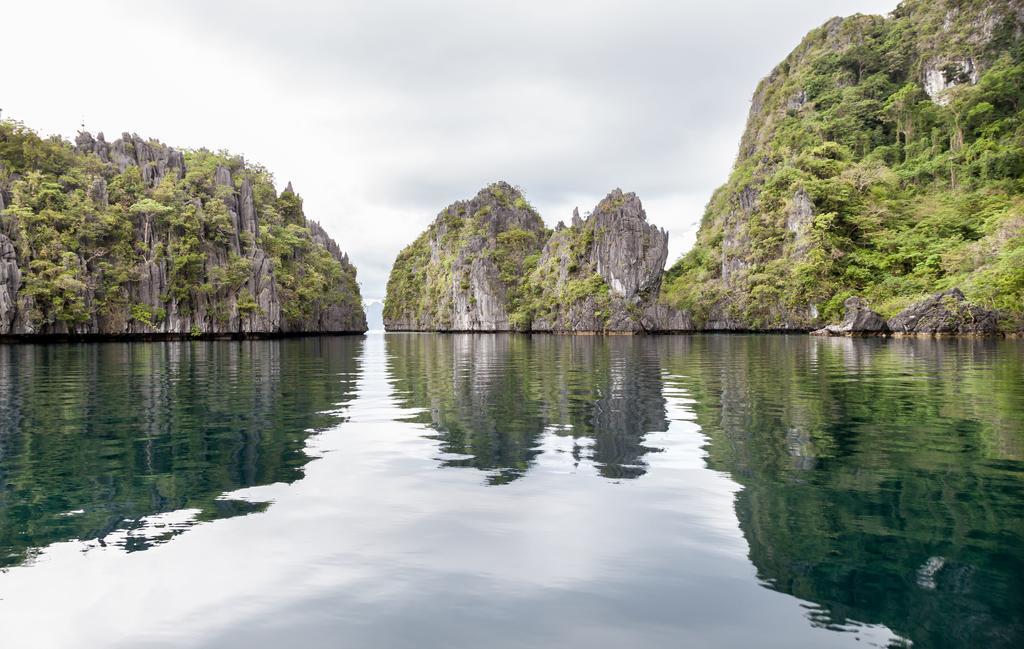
859, 320
856, 147
465, 272
947, 312
146, 240
603, 273
489, 264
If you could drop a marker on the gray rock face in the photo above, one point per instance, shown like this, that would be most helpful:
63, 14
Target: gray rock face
939, 75
628, 252
947, 312
153, 159
215, 311
858, 319
800, 213
662, 318
489, 264
10, 283
617, 245
460, 275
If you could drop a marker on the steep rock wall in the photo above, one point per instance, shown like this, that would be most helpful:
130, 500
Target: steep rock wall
881, 158
602, 273
465, 271
133, 237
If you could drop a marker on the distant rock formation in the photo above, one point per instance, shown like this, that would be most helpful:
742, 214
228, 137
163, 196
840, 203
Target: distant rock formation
135, 238
603, 273
489, 264
465, 272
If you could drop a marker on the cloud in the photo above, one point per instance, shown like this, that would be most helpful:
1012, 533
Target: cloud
382, 113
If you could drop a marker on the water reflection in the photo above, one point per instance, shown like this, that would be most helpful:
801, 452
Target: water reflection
492, 398
882, 479
133, 443
860, 492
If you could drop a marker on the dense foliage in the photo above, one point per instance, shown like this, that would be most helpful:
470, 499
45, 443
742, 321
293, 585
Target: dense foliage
85, 230
911, 193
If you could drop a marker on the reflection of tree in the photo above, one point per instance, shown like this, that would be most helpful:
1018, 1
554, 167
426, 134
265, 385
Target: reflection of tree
125, 431
882, 479
492, 397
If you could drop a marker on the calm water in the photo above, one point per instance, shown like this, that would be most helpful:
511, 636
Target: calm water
508, 491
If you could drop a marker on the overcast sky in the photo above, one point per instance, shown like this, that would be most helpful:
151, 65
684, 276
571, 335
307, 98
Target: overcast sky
381, 113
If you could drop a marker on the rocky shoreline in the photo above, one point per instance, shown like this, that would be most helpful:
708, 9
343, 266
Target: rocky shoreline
29, 339
947, 313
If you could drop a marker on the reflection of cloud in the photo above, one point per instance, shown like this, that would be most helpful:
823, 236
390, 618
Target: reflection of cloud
926, 573
169, 448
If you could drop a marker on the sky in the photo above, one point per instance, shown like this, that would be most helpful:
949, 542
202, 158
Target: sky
382, 112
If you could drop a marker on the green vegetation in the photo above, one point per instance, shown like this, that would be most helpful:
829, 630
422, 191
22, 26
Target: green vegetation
496, 237
85, 233
563, 278
910, 196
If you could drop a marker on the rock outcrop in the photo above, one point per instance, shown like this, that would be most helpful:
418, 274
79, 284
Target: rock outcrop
947, 313
465, 272
603, 273
489, 264
159, 242
859, 320
10, 284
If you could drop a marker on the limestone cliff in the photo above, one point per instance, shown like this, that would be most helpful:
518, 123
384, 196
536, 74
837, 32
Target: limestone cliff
464, 273
602, 273
881, 158
489, 264
133, 237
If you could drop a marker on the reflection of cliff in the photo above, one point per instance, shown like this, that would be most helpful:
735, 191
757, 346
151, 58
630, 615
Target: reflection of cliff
95, 437
491, 398
870, 487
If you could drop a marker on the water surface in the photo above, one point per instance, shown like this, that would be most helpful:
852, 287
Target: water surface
415, 490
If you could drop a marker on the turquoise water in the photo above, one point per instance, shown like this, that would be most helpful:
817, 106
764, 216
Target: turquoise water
408, 490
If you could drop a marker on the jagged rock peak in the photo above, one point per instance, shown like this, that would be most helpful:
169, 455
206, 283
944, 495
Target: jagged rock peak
500, 200
464, 273
628, 252
603, 273
153, 158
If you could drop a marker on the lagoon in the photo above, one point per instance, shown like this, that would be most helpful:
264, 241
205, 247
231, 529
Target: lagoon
432, 490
